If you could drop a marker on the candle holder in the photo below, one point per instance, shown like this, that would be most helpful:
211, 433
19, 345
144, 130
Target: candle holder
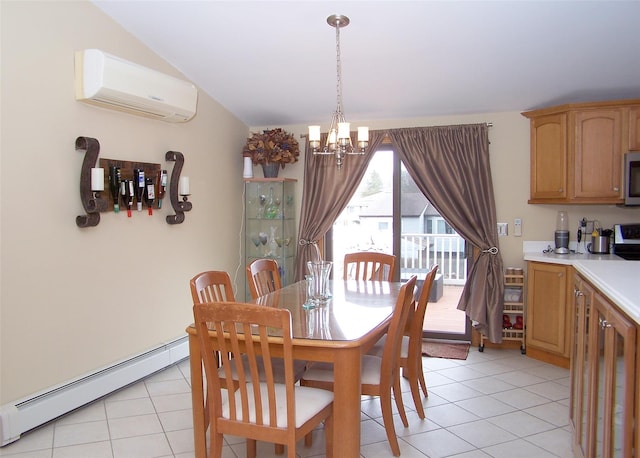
178, 206
92, 201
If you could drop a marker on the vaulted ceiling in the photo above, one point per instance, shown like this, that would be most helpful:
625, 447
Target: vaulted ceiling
274, 62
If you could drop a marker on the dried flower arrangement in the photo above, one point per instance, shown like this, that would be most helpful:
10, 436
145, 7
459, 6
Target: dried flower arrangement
275, 145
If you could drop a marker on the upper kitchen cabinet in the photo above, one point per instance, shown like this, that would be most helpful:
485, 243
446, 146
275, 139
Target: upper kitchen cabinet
597, 154
549, 163
577, 151
634, 129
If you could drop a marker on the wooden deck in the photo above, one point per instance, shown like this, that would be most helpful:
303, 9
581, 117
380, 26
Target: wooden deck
443, 315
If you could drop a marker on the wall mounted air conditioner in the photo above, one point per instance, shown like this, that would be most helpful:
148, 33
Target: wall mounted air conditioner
111, 82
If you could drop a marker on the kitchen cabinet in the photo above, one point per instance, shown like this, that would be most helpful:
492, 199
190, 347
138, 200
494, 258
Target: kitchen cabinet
549, 163
603, 382
579, 400
549, 319
270, 223
597, 149
577, 151
634, 129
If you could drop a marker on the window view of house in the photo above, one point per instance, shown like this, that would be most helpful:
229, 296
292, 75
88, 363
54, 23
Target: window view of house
425, 239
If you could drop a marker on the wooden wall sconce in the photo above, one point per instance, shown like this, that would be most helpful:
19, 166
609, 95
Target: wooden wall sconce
92, 202
179, 206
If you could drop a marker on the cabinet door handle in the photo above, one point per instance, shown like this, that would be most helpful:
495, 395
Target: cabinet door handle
577, 293
616, 189
560, 274
560, 190
604, 324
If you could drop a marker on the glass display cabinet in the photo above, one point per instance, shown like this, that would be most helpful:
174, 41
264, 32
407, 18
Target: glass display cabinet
270, 223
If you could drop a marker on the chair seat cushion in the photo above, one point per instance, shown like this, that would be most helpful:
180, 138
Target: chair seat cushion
369, 371
378, 347
309, 401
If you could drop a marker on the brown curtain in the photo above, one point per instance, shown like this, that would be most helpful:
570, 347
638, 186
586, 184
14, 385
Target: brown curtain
450, 165
326, 192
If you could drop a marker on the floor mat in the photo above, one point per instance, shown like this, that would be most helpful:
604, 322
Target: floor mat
445, 350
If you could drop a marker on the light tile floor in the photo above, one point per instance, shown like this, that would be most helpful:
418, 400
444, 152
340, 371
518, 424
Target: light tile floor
498, 403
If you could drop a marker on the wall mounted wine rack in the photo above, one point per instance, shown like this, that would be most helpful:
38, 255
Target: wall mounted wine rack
127, 173
95, 202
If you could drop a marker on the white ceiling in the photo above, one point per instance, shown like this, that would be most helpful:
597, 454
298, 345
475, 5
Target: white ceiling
273, 63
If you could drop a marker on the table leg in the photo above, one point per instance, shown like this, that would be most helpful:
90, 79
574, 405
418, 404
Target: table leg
197, 398
346, 401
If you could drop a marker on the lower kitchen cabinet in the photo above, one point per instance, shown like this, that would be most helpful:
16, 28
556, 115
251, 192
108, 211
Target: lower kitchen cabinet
580, 358
603, 382
549, 318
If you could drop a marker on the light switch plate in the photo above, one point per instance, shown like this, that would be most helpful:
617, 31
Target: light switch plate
517, 227
503, 229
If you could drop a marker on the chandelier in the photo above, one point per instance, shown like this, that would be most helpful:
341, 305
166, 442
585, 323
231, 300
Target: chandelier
339, 138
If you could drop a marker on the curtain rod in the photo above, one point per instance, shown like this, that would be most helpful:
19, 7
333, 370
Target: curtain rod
488, 124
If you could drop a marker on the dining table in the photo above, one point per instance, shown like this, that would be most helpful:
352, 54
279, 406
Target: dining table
340, 331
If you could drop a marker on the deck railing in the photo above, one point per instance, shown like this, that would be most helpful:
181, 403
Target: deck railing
420, 251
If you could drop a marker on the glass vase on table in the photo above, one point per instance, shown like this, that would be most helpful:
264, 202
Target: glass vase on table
320, 271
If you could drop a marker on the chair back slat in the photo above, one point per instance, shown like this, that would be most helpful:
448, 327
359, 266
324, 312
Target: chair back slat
263, 277
211, 286
240, 328
367, 265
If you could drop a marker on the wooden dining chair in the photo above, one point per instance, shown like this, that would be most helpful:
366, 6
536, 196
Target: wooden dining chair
215, 286
411, 346
281, 413
380, 376
369, 265
263, 277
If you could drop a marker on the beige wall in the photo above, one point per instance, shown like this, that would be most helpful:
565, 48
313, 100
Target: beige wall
74, 300
509, 152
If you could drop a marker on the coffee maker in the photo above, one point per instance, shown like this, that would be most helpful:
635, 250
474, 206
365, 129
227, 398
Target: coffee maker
562, 233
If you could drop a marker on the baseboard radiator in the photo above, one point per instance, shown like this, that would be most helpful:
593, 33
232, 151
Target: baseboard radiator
21, 416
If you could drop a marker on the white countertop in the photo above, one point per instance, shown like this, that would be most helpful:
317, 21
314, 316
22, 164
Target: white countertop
616, 278
569, 259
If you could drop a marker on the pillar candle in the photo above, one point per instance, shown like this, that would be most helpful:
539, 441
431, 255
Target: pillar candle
97, 179
184, 186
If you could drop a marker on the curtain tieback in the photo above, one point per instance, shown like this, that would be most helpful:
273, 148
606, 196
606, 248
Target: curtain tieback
493, 250
314, 243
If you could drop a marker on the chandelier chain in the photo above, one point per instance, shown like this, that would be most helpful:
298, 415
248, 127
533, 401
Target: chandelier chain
338, 71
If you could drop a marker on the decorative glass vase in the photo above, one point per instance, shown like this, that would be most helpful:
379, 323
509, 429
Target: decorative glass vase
271, 169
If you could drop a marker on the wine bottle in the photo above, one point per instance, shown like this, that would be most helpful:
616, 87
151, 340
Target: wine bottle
149, 194
127, 193
114, 187
139, 183
162, 186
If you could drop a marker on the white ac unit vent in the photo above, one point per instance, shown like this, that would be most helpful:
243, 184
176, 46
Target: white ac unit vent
108, 81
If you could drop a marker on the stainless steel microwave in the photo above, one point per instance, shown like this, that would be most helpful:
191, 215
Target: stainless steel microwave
632, 178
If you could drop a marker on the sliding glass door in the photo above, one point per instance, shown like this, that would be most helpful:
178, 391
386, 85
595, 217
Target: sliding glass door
389, 214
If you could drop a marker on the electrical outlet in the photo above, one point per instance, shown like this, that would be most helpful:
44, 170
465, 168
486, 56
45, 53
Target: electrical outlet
517, 227
503, 229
